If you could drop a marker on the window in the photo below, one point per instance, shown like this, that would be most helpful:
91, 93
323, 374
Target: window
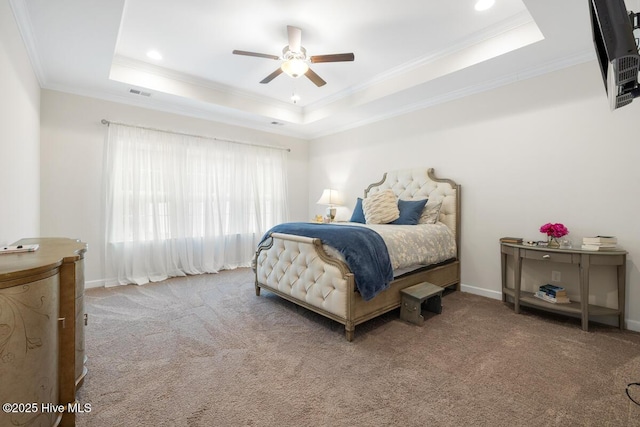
179, 204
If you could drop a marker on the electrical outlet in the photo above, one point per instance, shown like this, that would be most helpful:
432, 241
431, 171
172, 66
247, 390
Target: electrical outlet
556, 276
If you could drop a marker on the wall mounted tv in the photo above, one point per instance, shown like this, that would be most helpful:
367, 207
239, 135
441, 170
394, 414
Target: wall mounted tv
616, 49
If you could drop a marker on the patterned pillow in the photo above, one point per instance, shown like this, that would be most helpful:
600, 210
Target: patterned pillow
431, 212
381, 208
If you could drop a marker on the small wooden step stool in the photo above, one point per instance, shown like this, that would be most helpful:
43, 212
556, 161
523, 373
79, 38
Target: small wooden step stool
414, 296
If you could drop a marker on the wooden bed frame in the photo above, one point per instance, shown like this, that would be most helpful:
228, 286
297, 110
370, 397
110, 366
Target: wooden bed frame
299, 270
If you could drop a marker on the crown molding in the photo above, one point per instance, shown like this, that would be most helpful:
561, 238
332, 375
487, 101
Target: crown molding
163, 80
542, 69
21, 15
218, 114
196, 81
519, 20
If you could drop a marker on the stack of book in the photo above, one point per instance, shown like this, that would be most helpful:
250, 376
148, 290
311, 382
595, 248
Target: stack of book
516, 240
599, 243
553, 294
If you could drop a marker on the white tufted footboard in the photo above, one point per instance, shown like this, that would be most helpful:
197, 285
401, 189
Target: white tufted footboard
298, 269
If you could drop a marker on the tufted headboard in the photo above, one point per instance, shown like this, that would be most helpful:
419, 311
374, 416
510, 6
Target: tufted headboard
421, 183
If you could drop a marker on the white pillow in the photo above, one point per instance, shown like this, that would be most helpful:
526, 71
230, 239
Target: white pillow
431, 212
381, 208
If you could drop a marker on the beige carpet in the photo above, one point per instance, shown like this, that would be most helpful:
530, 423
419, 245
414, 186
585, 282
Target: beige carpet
206, 351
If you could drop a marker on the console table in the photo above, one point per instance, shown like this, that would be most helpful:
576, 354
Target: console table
583, 259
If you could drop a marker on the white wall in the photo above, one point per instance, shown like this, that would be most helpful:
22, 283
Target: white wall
72, 148
542, 150
19, 136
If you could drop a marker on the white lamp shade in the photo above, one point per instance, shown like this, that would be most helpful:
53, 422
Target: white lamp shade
330, 198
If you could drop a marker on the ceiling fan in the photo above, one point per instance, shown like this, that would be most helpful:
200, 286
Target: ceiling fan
295, 60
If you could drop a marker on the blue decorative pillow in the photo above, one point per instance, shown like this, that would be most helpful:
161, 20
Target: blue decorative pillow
358, 213
410, 211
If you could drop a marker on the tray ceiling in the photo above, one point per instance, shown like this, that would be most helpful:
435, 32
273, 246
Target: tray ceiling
408, 55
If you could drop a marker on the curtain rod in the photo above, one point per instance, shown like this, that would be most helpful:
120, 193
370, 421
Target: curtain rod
107, 122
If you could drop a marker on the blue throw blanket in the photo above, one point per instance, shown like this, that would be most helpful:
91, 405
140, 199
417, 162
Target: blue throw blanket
364, 251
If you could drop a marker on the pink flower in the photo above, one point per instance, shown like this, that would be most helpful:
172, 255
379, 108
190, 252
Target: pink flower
554, 230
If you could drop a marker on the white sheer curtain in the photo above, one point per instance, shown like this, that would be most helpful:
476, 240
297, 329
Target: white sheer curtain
177, 204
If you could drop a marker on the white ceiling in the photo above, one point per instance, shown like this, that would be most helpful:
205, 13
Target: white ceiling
408, 54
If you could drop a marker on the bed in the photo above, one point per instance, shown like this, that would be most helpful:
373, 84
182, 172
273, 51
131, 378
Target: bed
316, 276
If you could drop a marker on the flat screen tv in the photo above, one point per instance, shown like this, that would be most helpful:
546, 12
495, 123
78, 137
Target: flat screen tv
616, 49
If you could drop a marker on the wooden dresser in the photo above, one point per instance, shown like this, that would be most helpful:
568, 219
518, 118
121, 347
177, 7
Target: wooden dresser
41, 332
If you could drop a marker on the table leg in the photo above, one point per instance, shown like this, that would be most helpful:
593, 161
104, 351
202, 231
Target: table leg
584, 290
622, 271
517, 279
503, 271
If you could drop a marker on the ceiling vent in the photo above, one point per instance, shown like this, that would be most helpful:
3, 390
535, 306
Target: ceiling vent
139, 92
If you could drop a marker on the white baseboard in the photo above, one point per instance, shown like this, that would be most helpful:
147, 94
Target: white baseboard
481, 291
94, 284
632, 325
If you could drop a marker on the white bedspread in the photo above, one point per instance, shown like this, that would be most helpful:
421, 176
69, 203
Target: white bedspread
411, 246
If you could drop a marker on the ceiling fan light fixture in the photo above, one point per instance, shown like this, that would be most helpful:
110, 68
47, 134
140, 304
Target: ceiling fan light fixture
295, 61
295, 67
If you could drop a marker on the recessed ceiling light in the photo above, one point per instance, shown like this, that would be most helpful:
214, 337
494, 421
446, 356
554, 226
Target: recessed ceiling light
484, 4
154, 54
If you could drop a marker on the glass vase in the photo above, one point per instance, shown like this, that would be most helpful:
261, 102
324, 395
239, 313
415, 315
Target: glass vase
553, 242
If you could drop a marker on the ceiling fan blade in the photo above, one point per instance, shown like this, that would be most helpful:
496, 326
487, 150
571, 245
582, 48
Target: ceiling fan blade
336, 57
259, 55
295, 38
316, 79
272, 76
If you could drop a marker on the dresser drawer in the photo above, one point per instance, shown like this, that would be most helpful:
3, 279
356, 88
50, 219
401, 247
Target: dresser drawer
548, 256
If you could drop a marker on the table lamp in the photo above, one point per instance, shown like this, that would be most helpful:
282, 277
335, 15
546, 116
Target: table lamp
331, 198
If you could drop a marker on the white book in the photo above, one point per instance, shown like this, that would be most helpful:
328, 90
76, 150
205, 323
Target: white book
599, 240
604, 247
